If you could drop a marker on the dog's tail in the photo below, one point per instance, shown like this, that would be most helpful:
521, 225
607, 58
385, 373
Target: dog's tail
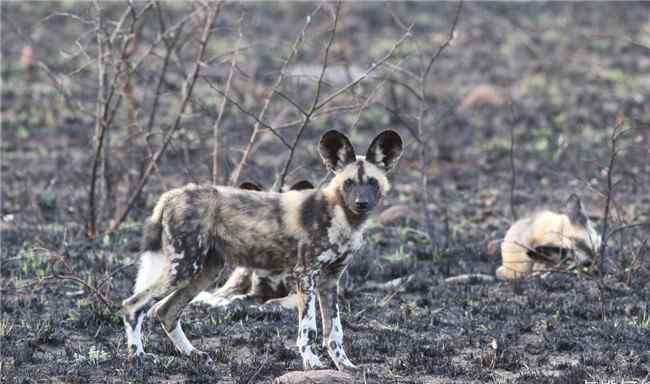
151, 236
152, 232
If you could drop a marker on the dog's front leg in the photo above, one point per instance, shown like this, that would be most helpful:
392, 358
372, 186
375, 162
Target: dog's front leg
307, 320
332, 329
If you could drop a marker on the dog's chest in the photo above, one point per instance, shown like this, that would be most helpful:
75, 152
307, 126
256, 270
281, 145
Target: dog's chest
342, 240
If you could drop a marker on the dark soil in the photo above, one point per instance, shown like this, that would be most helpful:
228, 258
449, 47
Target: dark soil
572, 72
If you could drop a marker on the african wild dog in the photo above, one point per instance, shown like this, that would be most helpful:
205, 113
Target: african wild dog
194, 230
256, 286
548, 239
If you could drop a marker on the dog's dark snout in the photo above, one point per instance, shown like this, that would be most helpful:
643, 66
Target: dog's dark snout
362, 205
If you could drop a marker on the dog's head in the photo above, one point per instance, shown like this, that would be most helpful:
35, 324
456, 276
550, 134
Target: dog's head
586, 241
361, 181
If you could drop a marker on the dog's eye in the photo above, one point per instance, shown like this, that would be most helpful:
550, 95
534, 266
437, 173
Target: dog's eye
373, 182
347, 184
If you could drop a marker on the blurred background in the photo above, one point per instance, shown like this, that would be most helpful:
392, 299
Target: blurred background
504, 108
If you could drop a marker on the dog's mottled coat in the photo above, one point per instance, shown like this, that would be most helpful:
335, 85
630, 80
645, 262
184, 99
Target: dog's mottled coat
255, 285
195, 230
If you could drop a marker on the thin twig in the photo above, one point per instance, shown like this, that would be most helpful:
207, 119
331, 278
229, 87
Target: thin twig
317, 105
307, 115
87, 286
368, 72
234, 178
247, 112
450, 37
222, 107
100, 126
188, 86
423, 107
513, 170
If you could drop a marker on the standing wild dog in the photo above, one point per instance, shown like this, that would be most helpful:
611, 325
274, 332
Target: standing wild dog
258, 286
547, 239
194, 230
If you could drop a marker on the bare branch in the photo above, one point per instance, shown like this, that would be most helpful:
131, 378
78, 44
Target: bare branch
370, 70
188, 86
248, 113
513, 170
450, 37
222, 107
234, 178
100, 126
422, 111
313, 108
374, 93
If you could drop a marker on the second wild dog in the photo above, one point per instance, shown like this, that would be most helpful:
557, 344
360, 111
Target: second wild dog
194, 230
251, 285
548, 239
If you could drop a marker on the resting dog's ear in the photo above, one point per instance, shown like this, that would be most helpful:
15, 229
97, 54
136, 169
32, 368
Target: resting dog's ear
302, 185
575, 211
385, 150
250, 186
336, 150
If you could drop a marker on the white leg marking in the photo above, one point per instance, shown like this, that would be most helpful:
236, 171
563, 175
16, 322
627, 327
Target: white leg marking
180, 340
335, 344
306, 327
134, 336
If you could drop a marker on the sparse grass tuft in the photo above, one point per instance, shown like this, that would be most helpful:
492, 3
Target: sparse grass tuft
6, 328
33, 262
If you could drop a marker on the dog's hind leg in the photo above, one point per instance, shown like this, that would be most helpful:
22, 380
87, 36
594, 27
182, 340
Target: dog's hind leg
169, 309
237, 286
151, 282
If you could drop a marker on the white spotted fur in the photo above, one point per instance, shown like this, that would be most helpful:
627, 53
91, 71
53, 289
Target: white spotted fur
180, 340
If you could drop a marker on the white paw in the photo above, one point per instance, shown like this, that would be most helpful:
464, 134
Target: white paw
340, 359
309, 359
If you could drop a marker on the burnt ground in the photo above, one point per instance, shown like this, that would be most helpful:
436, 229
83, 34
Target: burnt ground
556, 77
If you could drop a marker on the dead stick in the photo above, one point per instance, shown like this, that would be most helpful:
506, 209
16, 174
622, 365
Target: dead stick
190, 81
234, 178
222, 107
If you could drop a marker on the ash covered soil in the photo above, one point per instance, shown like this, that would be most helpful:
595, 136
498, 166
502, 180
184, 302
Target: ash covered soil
556, 77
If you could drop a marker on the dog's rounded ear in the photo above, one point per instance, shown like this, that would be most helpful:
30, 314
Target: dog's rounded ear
336, 150
575, 211
302, 185
385, 150
250, 186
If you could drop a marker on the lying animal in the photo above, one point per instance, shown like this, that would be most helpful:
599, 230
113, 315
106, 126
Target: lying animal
193, 231
547, 240
250, 285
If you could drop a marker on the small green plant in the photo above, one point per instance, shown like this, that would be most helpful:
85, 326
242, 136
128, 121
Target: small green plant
399, 256
643, 319
94, 357
33, 262
47, 200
